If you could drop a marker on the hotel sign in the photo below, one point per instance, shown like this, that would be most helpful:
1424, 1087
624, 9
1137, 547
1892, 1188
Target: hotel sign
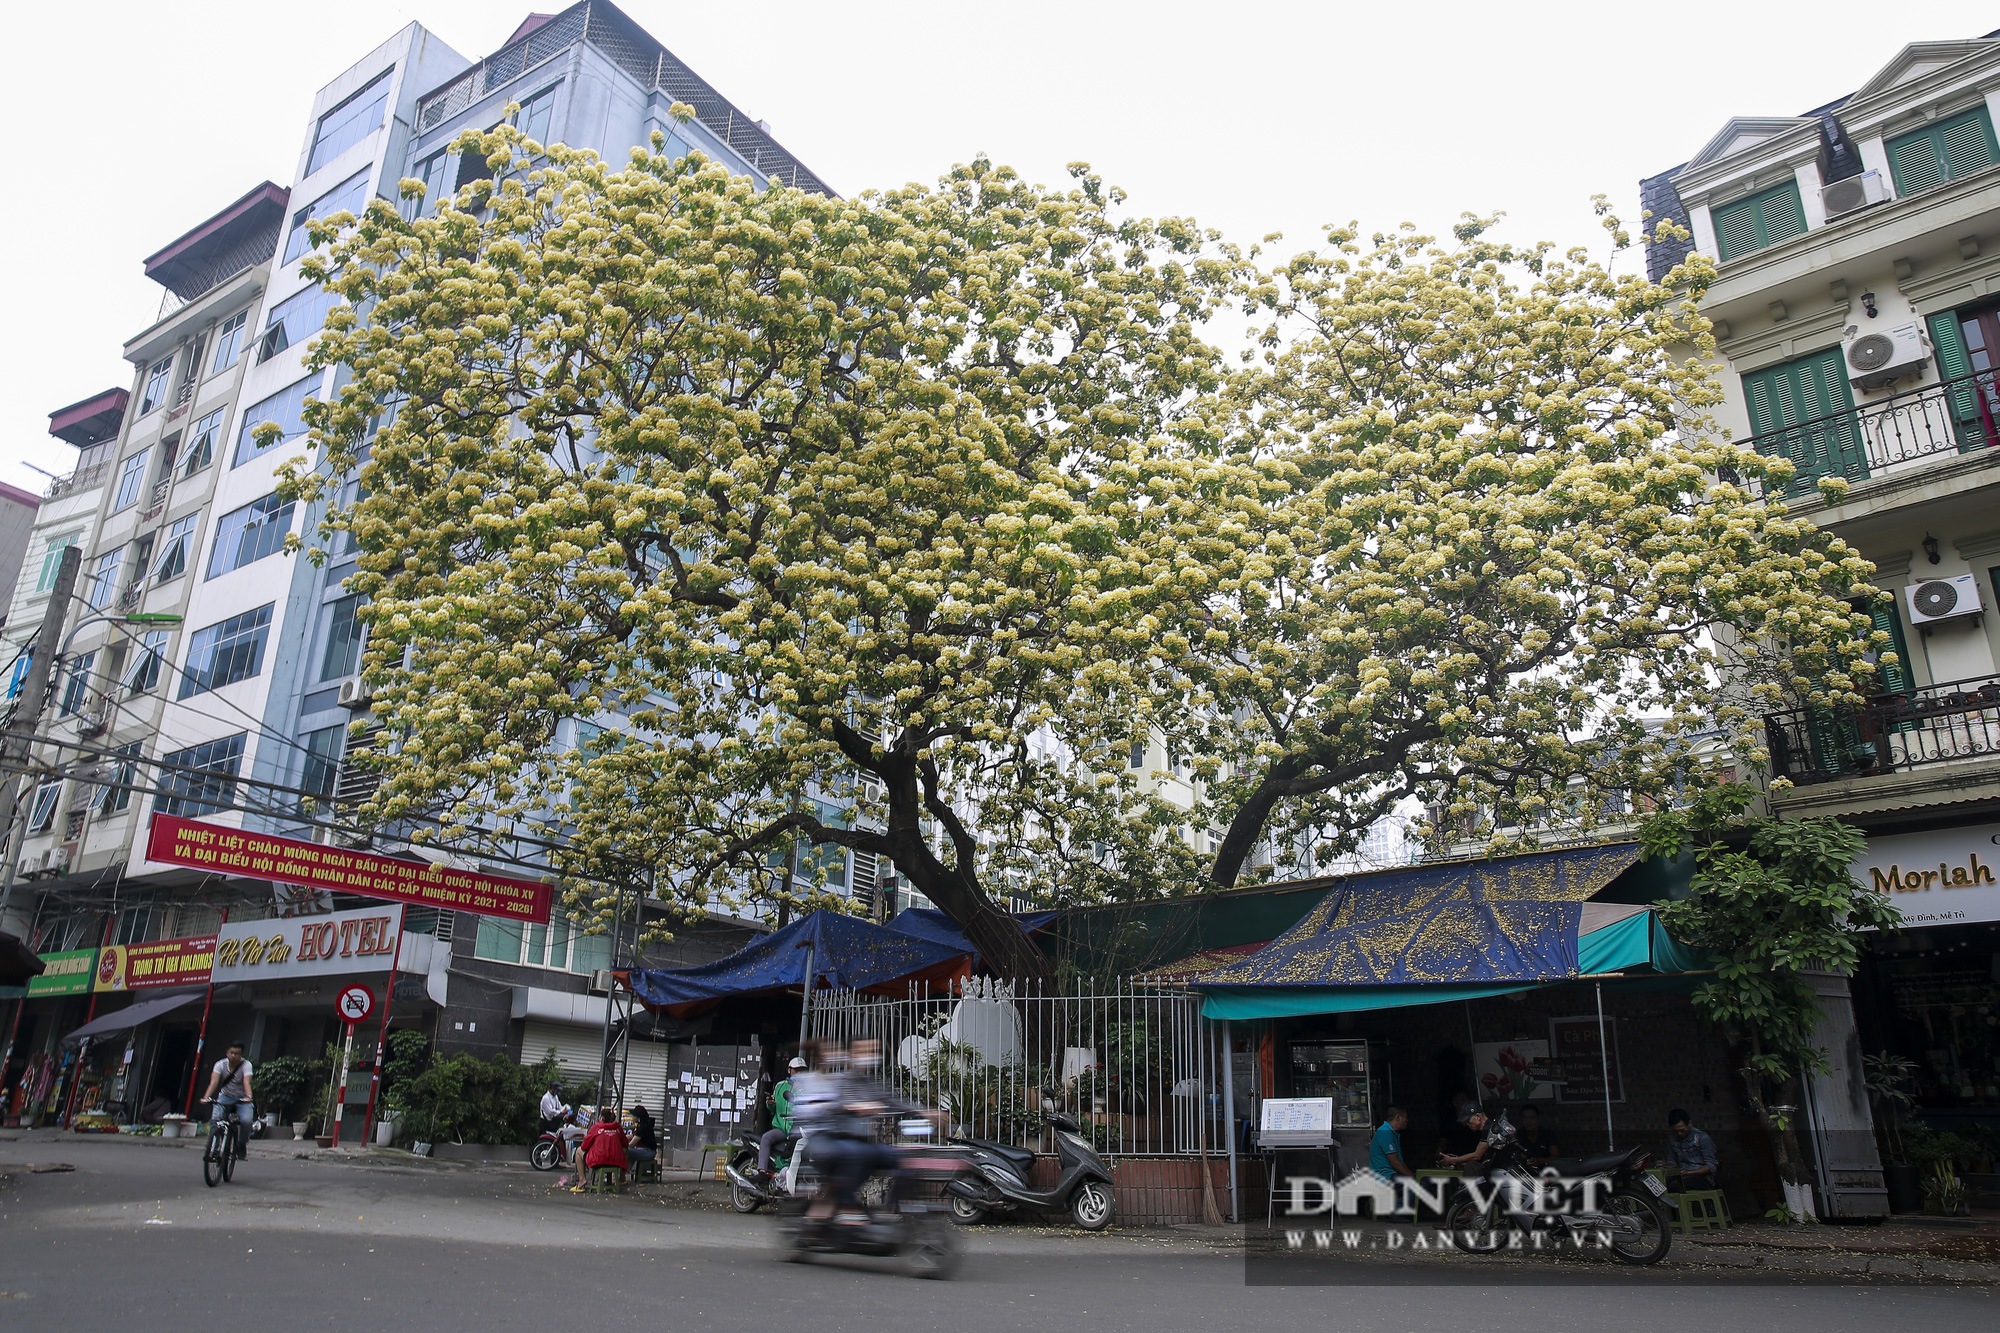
1938, 878
338, 944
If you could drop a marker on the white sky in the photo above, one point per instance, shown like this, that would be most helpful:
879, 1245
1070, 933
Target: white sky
1254, 117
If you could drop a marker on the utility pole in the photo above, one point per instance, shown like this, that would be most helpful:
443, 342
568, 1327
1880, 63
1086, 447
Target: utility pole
16, 745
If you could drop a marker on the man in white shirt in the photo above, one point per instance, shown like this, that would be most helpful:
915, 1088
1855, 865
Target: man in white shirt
551, 1109
229, 1085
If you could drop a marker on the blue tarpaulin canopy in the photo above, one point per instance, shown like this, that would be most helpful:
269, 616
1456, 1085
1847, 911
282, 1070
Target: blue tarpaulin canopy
848, 953
1450, 932
930, 924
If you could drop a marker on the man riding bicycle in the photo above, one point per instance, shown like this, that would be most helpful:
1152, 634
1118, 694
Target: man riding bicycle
229, 1085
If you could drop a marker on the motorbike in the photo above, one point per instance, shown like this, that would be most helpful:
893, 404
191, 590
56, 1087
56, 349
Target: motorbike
557, 1147
790, 1175
916, 1230
996, 1176
1606, 1200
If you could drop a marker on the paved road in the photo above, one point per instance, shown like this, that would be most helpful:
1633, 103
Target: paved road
132, 1238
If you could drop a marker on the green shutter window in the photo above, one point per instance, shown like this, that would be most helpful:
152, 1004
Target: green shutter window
1955, 363
1762, 219
1943, 152
1892, 678
1803, 410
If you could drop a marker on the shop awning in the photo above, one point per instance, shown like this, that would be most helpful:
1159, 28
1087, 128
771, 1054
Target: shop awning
1457, 931
132, 1015
17, 961
846, 952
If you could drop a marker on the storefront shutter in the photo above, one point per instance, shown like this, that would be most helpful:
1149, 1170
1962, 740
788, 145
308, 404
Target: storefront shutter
1947, 151
580, 1049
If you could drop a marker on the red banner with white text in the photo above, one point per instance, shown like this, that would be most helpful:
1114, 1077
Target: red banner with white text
228, 851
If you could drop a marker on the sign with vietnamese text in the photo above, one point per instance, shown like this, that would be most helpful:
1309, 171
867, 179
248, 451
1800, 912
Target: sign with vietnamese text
363, 940
1938, 878
228, 851
65, 973
1587, 1058
130, 967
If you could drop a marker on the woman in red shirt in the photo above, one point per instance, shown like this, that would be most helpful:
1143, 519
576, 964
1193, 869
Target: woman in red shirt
604, 1142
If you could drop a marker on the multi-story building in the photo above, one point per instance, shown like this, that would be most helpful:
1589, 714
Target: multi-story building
1857, 319
231, 700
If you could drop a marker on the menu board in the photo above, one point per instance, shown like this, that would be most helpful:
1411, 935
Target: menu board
1300, 1122
1584, 1061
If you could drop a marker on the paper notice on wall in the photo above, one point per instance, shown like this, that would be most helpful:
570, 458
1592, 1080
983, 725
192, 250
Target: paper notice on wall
681, 1117
729, 1085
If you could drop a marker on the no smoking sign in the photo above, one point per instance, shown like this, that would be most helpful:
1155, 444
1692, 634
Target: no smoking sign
355, 1003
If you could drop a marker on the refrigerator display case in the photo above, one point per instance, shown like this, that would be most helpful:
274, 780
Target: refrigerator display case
1338, 1070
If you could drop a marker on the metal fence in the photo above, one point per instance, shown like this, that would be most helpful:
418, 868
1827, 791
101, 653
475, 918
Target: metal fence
1932, 724
1136, 1065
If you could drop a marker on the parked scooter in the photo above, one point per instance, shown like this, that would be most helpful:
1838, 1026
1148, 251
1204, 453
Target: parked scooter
996, 1178
557, 1147
916, 1230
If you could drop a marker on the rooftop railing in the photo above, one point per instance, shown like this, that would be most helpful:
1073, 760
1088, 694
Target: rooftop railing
1952, 417
632, 50
1934, 724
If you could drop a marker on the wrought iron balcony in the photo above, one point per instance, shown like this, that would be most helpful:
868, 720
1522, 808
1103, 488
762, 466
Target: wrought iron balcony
1894, 733
1886, 434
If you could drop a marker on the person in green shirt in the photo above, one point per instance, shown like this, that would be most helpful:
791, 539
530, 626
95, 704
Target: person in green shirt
781, 1116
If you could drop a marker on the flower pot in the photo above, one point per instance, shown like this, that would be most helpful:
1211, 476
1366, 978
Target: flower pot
1905, 1185
385, 1132
324, 1140
298, 1129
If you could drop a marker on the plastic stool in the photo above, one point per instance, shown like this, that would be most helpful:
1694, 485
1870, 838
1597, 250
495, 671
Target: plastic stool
1700, 1209
606, 1180
646, 1171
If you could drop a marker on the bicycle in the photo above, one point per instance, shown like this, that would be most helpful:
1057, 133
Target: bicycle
225, 1131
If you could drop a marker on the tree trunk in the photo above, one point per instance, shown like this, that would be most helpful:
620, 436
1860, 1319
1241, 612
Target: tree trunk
1001, 942
1244, 829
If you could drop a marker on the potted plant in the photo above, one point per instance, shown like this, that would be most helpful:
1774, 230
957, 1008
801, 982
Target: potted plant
1888, 1078
282, 1083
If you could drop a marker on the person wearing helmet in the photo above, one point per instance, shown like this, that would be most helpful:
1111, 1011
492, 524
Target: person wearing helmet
781, 1115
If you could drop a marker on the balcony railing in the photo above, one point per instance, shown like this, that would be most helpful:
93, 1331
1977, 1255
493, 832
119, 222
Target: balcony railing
1937, 724
1881, 436
80, 480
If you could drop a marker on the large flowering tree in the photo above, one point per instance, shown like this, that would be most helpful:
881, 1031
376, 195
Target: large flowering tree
699, 521
1475, 531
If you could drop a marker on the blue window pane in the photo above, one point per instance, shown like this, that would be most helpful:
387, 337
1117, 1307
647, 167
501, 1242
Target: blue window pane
350, 196
249, 534
227, 652
349, 123
294, 320
286, 407
201, 779
228, 342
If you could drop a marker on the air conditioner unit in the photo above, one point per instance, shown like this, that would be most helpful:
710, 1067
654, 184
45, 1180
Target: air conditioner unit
1943, 599
1854, 194
356, 693
600, 981
1877, 359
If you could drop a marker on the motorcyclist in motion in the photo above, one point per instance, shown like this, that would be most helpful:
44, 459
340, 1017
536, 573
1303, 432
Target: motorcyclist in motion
838, 1113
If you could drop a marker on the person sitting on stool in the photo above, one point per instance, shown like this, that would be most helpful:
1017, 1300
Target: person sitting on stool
604, 1143
1690, 1152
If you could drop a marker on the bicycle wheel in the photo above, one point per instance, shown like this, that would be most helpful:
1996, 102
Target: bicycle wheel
211, 1157
229, 1142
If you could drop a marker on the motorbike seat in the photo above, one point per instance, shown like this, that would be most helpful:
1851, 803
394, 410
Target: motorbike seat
1597, 1164
1021, 1157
